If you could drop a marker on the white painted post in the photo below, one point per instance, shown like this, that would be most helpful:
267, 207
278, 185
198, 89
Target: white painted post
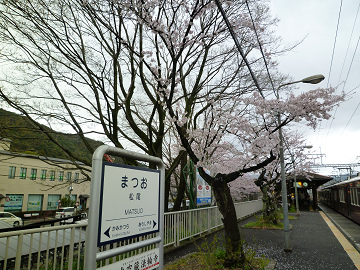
177, 230
19, 251
209, 219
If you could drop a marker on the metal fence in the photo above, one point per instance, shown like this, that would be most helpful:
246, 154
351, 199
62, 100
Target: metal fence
43, 248
62, 247
183, 225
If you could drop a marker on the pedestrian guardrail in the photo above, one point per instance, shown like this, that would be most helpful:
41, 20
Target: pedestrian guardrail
59, 247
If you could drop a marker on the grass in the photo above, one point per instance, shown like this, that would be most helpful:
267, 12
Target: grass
292, 209
212, 255
262, 224
290, 217
201, 261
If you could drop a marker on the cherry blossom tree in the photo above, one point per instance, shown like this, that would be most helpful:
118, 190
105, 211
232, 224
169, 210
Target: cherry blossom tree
297, 162
77, 68
243, 117
161, 77
243, 187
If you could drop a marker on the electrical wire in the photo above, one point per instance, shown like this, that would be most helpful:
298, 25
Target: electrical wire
342, 69
231, 30
347, 49
352, 60
347, 75
350, 118
261, 49
332, 57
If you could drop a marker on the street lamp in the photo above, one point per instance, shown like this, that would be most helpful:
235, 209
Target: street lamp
313, 80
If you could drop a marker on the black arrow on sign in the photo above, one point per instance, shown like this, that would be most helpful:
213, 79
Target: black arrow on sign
154, 224
107, 232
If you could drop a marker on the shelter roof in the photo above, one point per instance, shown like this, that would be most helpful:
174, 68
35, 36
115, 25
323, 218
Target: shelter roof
313, 178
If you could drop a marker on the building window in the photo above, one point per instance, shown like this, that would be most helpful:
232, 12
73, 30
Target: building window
76, 179
68, 176
43, 174
53, 202
52, 176
23, 173
35, 202
12, 170
61, 175
33, 174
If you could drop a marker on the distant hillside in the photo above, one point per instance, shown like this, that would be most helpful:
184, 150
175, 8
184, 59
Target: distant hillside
28, 139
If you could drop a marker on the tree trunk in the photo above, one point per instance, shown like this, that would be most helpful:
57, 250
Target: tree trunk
182, 185
270, 213
234, 249
265, 200
167, 193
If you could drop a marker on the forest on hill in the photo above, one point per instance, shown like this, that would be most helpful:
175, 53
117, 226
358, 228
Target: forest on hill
27, 138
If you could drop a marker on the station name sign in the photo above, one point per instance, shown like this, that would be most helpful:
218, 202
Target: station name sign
129, 202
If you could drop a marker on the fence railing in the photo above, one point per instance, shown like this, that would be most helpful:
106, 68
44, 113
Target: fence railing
183, 225
43, 248
62, 247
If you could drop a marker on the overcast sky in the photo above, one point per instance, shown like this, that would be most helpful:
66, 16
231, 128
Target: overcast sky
317, 21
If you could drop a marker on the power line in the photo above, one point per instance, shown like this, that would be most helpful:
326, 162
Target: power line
332, 57
350, 118
261, 50
352, 60
231, 30
347, 49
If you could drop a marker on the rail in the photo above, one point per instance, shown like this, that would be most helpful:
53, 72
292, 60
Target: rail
58, 247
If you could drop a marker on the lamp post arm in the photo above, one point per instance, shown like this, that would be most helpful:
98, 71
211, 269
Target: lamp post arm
289, 83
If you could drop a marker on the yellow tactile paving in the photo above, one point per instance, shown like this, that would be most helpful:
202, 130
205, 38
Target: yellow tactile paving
350, 250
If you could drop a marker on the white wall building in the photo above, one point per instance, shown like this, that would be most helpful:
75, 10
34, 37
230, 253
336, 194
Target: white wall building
33, 183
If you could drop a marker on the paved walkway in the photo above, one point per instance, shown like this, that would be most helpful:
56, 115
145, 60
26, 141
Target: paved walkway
314, 241
350, 229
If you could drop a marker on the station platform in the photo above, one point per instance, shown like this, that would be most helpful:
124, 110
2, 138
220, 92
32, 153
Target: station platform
348, 228
321, 239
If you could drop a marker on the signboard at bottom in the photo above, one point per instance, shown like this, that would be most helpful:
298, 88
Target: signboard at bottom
143, 261
129, 202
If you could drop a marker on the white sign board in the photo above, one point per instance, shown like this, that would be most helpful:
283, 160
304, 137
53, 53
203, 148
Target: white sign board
203, 190
143, 261
129, 202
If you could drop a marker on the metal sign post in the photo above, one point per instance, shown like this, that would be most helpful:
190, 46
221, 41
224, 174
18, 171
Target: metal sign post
126, 202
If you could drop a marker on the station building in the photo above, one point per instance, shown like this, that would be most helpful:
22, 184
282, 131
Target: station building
37, 183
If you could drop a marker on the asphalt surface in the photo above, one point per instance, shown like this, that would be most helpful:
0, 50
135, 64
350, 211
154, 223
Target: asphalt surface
314, 246
348, 228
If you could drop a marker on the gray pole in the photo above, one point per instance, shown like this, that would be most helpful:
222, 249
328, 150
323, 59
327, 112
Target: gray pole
313, 80
284, 191
295, 186
93, 219
296, 195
